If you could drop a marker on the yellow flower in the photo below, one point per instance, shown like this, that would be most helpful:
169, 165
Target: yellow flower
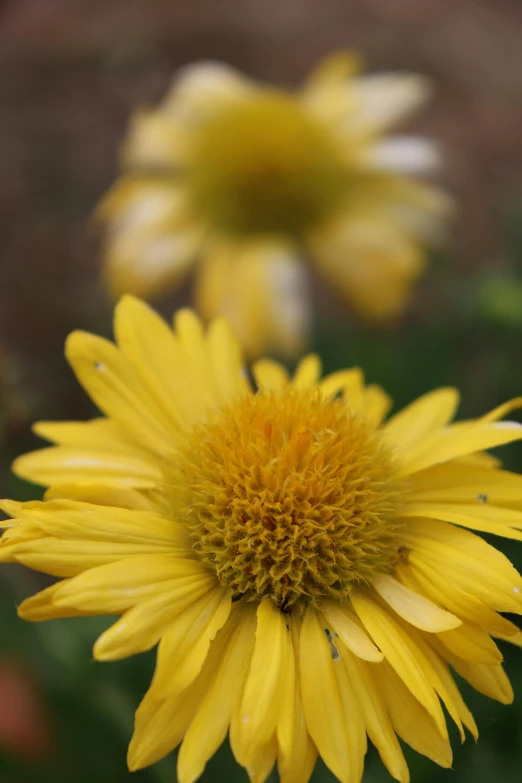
250, 180
307, 568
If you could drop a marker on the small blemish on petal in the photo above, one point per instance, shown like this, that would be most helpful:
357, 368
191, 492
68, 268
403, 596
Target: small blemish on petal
516, 589
333, 649
482, 498
99, 366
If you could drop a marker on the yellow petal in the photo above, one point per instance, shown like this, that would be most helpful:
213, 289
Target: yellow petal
410, 720
350, 632
376, 404
99, 434
90, 522
62, 464
151, 349
471, 643
465, 561
259, 709
209, 727
42, 607
226, 361
402, 653
492, 681
436, 674
428, 413
154, 141
412, 607
202, 88
375, 714
474, 485
308, 372
447, 688
336, 67
370, 261
101, 495
115, 387
140, 628
462, 604
67, 557
269, 375
296, 765
515, 639
349, 383
503, 410
354, 722
185, 642
487, 519
120, 585
458, 440
261, 288
321, 700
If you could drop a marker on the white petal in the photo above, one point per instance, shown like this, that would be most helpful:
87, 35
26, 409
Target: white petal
404, 155
385, 99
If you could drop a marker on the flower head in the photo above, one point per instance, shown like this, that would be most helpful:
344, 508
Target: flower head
307, 568
250, 179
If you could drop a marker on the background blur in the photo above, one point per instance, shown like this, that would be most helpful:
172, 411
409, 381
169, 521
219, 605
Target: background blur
71, 72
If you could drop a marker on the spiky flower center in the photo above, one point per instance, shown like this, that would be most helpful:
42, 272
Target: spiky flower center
288, 495
263, 165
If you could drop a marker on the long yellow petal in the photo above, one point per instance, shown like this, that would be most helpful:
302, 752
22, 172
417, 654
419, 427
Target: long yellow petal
498, 521
375, 714
402, 653
350, 632
226, 361
458, 440
296, 766
102, 434
457, 483
491, 681
321, 700
85, 521
141, 627
120, 585
155, 355
209, 727
465, 561
412, 607
62, 557
185, 641
101, 495
112, 382
163, 718
410, 720
471, 643
63, 464
428, 413
42, 607
354, 721
259, 710
464, 605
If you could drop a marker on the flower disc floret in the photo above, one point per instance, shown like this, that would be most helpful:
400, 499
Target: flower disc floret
288, 496
265, 165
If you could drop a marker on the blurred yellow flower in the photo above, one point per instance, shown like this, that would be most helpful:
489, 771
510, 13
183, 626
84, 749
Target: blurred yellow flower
249, 180
306, 567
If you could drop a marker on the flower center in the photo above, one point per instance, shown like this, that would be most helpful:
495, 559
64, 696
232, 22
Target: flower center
263, 165
288, 495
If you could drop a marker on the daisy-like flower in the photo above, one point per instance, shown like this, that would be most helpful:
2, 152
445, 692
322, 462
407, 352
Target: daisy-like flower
248, 180
306, 568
